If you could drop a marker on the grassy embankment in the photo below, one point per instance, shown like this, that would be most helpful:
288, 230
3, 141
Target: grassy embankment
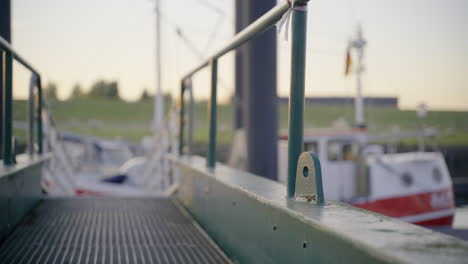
131, 121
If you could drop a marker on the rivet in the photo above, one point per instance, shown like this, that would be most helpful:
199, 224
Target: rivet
274, 227
304, 244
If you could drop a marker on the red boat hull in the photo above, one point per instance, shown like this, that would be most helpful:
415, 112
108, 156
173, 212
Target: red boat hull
427, 209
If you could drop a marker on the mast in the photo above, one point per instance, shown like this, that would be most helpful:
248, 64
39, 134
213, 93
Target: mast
158, 98
358, 44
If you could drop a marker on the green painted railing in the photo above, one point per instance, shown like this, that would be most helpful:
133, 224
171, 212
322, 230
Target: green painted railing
296, 102
6, 77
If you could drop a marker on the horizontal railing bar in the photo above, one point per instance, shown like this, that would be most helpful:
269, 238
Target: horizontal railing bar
260, 25
6, 46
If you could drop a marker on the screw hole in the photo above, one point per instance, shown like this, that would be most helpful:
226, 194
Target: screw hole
304, 244
305, 171
274, 227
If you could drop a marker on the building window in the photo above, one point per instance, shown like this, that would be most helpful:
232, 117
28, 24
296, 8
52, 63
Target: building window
340, 150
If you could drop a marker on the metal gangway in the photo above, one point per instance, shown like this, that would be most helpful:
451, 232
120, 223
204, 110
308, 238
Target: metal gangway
217, 215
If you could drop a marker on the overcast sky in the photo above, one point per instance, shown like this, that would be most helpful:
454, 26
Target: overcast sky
417, 50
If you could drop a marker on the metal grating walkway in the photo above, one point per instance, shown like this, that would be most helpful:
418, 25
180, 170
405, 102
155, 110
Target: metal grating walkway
138, 230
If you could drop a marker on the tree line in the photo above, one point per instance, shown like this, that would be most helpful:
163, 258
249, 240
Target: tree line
101, 89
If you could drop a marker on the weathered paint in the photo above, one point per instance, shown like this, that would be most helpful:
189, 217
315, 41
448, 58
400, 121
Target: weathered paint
253, 221
20, 190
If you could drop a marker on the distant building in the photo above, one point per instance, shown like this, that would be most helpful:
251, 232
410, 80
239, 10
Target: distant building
347, 100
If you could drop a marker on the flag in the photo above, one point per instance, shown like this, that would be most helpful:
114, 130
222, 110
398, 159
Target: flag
349, 62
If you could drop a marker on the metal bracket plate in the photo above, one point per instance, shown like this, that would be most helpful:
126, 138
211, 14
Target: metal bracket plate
309, 178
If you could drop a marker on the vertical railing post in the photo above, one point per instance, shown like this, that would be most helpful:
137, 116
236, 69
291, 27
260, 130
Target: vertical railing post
191, 116
39, 116
31, 113
181, 118
2, 84
7, 110
296, 96
212, 112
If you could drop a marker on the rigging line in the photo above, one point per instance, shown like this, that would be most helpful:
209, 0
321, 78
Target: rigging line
217, 9
214, 32
198, 53
221, 15
212, 6
168, 21
187, 42
178, 30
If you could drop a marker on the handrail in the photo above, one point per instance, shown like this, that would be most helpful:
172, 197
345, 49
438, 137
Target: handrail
7, 47
296, 102
7, 54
